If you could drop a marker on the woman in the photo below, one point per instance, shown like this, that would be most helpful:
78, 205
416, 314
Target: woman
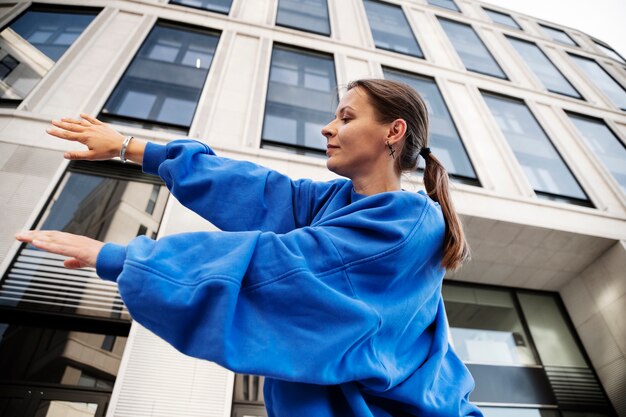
330, 290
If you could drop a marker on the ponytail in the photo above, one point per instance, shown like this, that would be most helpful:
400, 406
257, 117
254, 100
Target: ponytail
455, 247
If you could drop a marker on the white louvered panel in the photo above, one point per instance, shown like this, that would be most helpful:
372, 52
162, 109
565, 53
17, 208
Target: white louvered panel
157, 380
39, 278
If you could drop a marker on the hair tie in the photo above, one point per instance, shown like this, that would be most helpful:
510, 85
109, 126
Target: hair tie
425, 152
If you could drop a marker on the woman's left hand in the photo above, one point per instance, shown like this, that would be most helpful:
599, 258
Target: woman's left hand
82, 251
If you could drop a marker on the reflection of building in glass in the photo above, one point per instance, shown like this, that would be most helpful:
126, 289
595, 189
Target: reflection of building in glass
527, 115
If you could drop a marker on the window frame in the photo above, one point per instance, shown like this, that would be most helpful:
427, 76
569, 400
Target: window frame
289, 148
607, 46
137, 122
330, 29
487, 9
505, 77
541, 194
457, 9
551, 38
579, 97
204, 9
589, 81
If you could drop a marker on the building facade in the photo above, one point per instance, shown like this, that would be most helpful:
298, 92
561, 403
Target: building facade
528, 116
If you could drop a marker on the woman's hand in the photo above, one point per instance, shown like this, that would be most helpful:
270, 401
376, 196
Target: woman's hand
83, 251
102, 141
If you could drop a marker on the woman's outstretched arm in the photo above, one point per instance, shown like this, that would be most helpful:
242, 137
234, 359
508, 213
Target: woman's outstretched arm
102, 141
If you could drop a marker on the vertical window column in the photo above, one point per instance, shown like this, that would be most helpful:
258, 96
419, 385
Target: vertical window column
163, 83
300, 99
391, 29
474, 54
545, 169
307, 15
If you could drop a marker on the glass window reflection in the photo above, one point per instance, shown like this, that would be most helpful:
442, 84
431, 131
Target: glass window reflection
502, 18
444, 137
543, 166
31, 45
558, 35
220, 6
517, 412
610, 52
308, 15
164, 81
474, 54
601, 79
300, 98
486, 327
390, 28
603, 144
446, 4
544, 69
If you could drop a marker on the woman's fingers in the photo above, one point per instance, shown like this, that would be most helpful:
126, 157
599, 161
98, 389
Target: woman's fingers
80, 155
91, 119
64, 134
82, 249
71, 126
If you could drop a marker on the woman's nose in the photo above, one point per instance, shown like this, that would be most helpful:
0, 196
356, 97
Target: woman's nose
328, 130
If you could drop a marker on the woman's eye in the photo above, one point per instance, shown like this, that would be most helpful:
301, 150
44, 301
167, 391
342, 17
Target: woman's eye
345, 119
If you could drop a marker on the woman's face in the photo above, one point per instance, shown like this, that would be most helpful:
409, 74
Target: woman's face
356, 141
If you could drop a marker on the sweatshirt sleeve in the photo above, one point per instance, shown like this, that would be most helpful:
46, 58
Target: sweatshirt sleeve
258, 302
234, 195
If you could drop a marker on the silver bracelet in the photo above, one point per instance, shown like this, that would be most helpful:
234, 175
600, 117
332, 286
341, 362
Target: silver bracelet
123, 149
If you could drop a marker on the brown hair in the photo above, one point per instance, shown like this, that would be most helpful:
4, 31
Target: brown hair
394, 100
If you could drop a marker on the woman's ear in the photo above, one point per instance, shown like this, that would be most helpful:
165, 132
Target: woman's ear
397, 130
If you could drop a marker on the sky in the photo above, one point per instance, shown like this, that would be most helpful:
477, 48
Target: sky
602, 19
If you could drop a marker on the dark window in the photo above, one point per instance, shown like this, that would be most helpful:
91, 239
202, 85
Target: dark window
544, 168
104, 201
558, 35
446, 4
142, 230
471, 49
220, 6
7, 64
502, 18
163, 83
32, 43
108, 342
544, 69
153, 199
391, 29
444, 137
608, 51
604, 144
601, 79
300, 99
308, 15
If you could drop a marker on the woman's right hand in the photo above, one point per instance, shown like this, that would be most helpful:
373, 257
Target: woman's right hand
101, 140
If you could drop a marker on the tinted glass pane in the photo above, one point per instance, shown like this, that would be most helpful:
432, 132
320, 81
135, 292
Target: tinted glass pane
390, 28
36, 355
444, 138
447, 4
502, 18
603, 144
517, 412
164, 81
610, 52
486, 327
221, 6
471, 49
31, 45
602, 80
558, 35
541, 163
101, 207
300, 99
553, 338
543, 68
309, 15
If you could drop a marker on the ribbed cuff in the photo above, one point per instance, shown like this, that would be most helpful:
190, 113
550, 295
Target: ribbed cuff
153, 157
110, 261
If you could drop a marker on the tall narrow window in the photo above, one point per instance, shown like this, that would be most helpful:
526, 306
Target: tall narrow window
544, 69
308, 15
502, 18
603, 144
390, 28
597, 75
300, 100
558, 35
163, 83
474, 54
220, 6
608, 51
545, 169
444, 137
446, 4
32, 43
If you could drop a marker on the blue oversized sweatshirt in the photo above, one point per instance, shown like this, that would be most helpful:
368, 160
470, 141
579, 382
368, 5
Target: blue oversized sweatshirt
335, 297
